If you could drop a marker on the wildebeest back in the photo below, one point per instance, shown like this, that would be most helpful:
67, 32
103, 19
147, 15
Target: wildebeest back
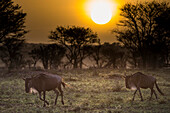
139, 79
46, 82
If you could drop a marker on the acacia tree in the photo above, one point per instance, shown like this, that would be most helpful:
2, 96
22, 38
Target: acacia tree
85, 52
12, 30
113, 55
96, 55
11, 52
50, 55
139, 32
56, 53
35, 56
163, 30
12, 20
74, 39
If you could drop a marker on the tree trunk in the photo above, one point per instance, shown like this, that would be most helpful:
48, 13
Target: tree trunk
143, 62
81, 63
45, 64
75, 64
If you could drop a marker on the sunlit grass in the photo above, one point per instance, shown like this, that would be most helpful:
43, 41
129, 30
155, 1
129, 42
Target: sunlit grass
88, 91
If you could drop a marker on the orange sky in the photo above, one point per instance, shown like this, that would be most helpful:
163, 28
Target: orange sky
45, 15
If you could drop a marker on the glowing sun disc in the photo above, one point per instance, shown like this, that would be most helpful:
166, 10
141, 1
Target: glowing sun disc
101, 12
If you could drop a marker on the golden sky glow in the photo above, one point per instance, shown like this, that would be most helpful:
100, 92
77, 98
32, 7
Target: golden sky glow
45, 15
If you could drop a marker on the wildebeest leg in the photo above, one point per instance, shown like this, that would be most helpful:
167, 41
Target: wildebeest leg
56, 96
59, 88
42, 99
140, 94
152, 90
155, 94
134, 95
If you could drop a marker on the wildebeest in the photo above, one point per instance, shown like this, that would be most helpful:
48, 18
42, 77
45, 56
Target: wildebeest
45, 82
139, 80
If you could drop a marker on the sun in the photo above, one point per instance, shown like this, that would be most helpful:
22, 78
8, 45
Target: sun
101, 11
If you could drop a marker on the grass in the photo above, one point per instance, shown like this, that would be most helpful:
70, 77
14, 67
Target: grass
92, 91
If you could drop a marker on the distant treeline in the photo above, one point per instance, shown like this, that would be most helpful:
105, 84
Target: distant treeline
53, 56
142, 34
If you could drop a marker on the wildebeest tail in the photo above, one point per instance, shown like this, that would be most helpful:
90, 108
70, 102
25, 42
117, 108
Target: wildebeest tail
158, 89
64, 84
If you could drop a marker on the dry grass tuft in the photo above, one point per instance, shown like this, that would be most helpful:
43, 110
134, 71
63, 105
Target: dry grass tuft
119, 99
95, 73
118, 87
162, 102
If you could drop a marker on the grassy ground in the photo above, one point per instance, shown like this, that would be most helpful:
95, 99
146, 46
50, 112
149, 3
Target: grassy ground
92, 91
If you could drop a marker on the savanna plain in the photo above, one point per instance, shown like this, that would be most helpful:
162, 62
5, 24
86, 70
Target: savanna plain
88, 90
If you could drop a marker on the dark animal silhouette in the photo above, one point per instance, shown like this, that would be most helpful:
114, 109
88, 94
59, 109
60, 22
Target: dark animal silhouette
140, 80
45, 82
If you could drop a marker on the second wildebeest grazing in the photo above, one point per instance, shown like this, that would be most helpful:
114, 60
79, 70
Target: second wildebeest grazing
139, 80
45, 82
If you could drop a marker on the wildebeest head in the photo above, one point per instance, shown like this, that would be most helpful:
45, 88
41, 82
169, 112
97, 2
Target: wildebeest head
130, 82
27, 84
127, 81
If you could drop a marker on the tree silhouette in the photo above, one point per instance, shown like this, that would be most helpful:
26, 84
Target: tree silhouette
113, 55
11, 53
12, 30
57, 53
140, 33
12, 20
163, 30
84, 53
96, 55
35, 56
49, 54
74, 39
